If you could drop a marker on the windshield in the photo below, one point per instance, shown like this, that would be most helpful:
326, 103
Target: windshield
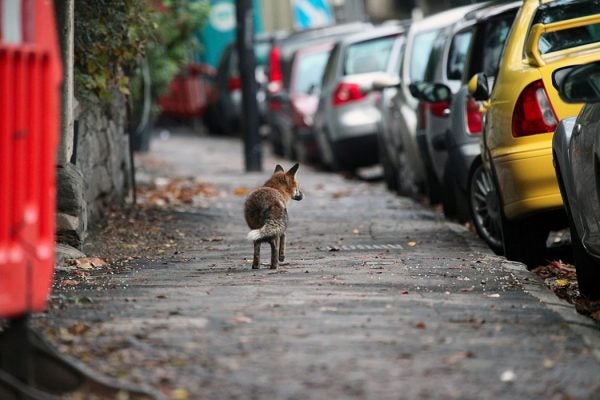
419, 56
369, 56
565, 10
309, 71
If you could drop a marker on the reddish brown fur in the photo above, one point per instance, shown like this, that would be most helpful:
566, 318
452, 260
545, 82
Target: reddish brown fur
265, 211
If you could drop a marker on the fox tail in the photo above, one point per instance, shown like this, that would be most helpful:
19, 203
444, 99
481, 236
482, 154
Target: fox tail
271, 228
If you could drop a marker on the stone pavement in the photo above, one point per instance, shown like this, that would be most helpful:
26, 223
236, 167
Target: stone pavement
379, 298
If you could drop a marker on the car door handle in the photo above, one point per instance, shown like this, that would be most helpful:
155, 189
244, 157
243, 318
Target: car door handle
446, 112
577, 129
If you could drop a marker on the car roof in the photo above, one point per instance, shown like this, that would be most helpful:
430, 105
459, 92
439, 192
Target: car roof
294, 38
492, 9
378, 31
444, 18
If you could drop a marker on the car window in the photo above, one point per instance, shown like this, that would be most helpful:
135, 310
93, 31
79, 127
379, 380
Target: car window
421, 48
261, 52
368, 56
563, 10
458, 54
329, 73
435, 56
488, 45
309, 71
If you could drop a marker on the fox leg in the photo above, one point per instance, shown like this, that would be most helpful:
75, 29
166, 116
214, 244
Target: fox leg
282, 248
256, 260
274, 252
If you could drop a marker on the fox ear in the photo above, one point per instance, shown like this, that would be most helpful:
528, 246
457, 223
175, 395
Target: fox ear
293, 170
278, 168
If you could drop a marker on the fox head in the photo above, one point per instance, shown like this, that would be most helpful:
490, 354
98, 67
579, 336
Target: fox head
286, 182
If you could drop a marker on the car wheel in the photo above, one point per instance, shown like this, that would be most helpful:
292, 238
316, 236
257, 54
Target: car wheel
434, 190
390, 176
448, 196
276, 141
407, 185
485, 208
587, 268
288, 145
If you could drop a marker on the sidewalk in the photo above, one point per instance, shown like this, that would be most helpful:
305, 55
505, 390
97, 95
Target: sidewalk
378, 298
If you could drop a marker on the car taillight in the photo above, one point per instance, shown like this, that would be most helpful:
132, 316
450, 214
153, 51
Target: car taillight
347, 92
474, 117
235, 83
533, 112
438, 109
275, 73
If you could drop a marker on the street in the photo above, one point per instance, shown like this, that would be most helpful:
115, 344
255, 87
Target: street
378, 298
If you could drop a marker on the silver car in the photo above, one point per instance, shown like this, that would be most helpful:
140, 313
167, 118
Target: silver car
576, 155
402, 126
346, 121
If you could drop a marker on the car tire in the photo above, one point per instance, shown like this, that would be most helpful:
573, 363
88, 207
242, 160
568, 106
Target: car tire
434, 189
407, 185
484, 208
449, 196
587, 268
390, 175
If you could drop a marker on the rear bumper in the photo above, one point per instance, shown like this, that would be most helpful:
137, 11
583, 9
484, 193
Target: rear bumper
354, 152
527, 183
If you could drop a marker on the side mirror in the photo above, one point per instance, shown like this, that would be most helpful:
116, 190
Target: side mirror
385, 82
478, 87
416, 89
581, 84
436, 93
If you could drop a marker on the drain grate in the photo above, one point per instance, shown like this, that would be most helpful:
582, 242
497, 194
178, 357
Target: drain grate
359, 247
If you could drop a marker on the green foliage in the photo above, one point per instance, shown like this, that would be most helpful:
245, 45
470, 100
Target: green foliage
112, 35
175, 42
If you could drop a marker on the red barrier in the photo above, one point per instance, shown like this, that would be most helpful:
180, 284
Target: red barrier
30, 77
188, 92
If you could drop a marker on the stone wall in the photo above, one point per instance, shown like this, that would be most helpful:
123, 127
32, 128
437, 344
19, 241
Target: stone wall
99, 172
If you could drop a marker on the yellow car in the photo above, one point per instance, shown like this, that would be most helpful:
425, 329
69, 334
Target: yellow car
514, 196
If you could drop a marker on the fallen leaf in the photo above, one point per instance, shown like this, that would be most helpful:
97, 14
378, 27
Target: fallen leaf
212, 239
469, 289
241, 191
562, 282
355, 231
180, 394
78, 328
68, 282
457, 357
412, 244
420, 325
241, 319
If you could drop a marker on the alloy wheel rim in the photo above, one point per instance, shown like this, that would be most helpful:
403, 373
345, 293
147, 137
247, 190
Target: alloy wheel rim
485, 208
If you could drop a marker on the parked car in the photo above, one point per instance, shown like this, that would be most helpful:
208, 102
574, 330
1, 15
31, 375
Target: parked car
454, 147
224, 111
575, 148
279, 74
399, 131
523, 200
347, 118
298, 102
473, 43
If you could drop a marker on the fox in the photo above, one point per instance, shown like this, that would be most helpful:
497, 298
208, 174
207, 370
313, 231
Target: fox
265, 210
